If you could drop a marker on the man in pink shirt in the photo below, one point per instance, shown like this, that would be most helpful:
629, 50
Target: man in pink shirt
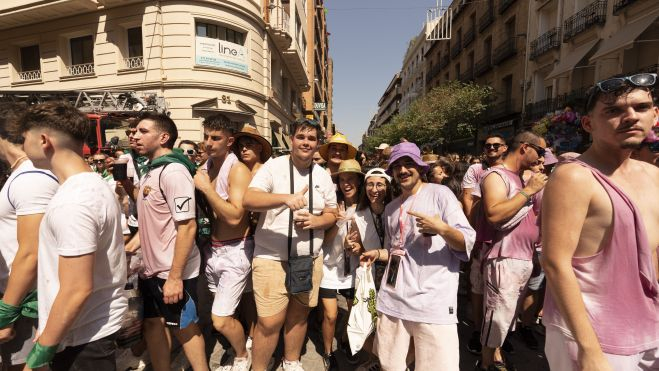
602, 306
166, 215
508, 230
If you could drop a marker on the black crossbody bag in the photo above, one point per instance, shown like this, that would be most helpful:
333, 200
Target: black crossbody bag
300, 268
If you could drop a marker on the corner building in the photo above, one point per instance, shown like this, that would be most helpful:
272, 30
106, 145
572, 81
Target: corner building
243, 58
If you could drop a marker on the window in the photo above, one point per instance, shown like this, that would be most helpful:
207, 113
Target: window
487, 47
30, 58
82, 50
134, 42
220, 32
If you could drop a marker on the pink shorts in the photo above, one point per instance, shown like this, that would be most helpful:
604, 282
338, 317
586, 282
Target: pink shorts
561, 351
505, 283
436, 347
228, 271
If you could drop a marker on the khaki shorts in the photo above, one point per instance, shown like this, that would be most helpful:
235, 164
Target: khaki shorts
270, 292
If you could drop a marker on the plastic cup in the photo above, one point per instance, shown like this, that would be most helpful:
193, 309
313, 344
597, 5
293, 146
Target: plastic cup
120, 169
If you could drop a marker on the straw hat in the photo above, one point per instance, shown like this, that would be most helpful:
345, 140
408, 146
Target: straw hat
339, 139
349, 166
250, 131
429, 158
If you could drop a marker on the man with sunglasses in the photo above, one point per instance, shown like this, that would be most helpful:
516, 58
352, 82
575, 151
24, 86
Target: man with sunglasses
601, 309
493, 150
508, 231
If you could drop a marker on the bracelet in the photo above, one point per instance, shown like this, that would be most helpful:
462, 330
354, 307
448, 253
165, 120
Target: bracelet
378, 258
528, 198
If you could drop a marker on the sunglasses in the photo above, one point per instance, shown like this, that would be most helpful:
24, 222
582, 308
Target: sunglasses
309, 122
539, 150
99, 161
494, 146
641, 80
654, 147
131, 132
190, 152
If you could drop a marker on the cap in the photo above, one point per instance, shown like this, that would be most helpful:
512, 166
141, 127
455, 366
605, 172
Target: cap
378, 172
550, 159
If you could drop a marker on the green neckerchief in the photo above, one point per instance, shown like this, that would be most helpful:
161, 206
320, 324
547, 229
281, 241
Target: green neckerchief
172, 157
28, 308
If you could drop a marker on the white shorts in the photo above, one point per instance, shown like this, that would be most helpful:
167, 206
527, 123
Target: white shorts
561, 352
505, 283
15, 351
475, 273
436, 347
228, 270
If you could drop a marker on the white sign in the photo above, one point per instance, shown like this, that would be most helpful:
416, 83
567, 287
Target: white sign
319, 106
222, 54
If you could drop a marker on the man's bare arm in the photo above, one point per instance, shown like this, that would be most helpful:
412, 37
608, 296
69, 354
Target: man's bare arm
24, 268
498, 207
231, 211
259, 201
467, 200
186, 231
560, 236
76, 281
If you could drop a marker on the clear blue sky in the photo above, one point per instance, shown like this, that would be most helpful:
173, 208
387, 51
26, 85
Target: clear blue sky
367, 42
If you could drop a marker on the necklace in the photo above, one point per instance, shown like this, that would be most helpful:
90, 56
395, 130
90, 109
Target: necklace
13, 166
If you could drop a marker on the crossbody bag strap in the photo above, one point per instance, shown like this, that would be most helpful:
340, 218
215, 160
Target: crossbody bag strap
290, 211
311, 207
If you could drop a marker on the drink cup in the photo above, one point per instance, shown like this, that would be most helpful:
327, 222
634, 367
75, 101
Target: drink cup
120, 169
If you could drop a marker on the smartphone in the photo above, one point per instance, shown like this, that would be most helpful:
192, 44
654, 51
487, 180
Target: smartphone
392, 272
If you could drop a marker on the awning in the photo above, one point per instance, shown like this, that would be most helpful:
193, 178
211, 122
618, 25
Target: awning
214, 105
626, 36
571, 60
287, 141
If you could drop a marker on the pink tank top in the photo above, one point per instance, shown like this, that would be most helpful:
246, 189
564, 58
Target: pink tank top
222, 183
618, 284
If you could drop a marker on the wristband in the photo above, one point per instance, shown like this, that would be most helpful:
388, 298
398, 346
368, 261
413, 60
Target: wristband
378, 258
528, 198
8, 314
40, 355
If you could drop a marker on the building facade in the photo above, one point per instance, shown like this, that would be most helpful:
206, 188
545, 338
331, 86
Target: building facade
574, 44
247, 59
412, 72
389, 103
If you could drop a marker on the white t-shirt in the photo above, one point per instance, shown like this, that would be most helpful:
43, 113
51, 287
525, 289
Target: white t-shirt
335, 276
83, 218
271, 235
27, 192
366, 224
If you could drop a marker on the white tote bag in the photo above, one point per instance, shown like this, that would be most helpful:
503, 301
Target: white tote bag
363, 315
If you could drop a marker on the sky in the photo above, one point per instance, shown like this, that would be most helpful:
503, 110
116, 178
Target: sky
368, 39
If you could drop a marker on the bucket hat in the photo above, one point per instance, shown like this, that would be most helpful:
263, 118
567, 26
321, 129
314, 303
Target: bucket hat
407, 149
250, 131
339, 139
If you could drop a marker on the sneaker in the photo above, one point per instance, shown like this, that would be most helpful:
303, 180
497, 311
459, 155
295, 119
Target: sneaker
242, 364
474, 344
248, 344
291, 366
126, 361
508, 346
497, 366
527, 336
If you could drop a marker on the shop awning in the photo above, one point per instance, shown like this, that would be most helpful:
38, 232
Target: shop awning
571, 60
214, 105
626, 36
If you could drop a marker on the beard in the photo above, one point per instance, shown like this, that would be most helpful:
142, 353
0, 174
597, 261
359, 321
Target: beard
628, 145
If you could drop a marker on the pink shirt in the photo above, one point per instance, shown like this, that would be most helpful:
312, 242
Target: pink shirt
473, 178
515, 238
157, 214
618, 284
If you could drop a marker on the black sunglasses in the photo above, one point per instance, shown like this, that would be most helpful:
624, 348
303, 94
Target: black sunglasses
98, 161
494, 146
641, 80
654, 147
131, 132
539, 150
190, 152
309, 122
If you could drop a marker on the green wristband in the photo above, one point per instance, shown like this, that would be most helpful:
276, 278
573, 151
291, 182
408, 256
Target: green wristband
8, 314
528, 198
40, 355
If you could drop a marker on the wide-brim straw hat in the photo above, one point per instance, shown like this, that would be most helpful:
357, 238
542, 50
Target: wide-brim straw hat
429, 158
349, 166
339, 139
250, 131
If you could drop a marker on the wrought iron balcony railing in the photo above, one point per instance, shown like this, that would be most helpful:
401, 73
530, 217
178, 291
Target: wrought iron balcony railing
546, 42
483, 65
485, 20
505, 4
133, 63
620, 5
80, 69
594, 13
504, 51
468, 37
29, 75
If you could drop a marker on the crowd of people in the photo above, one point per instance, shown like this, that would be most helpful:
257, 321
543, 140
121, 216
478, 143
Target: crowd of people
569, 238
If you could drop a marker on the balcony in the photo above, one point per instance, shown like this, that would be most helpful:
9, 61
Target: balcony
295, 59
80, 69
483, 66
501, 109
594, 13
505, 4
504, 51
467, 76
434, 71
468, 37
456, 49
279, 24
444, 62
133, 63
29, 75
27, 12
485, 20
546, 42
620, 5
